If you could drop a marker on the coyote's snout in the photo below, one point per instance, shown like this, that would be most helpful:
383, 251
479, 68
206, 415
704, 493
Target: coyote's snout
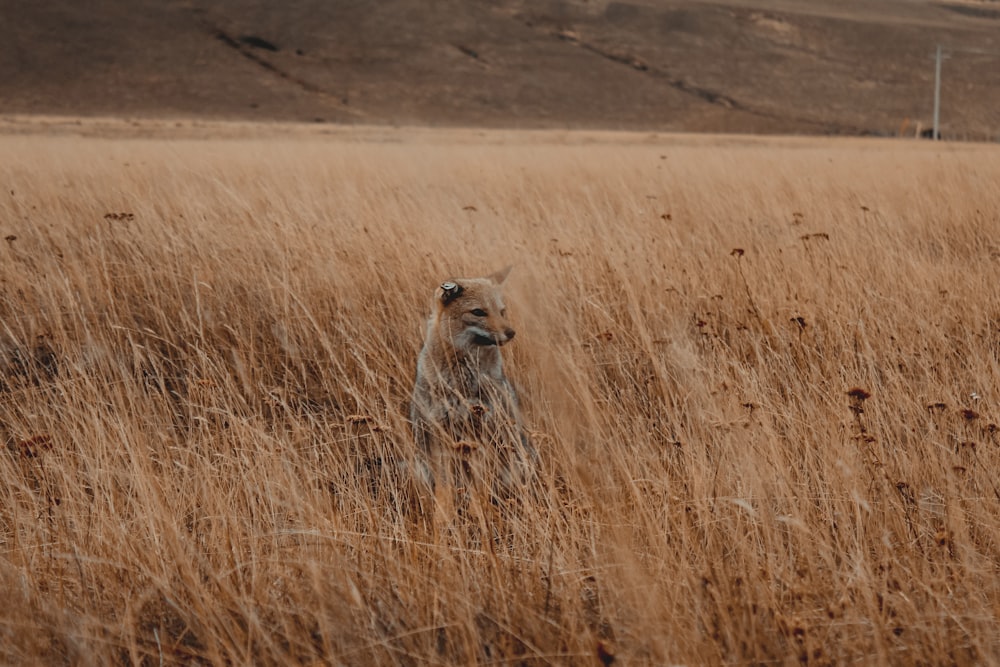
463, 405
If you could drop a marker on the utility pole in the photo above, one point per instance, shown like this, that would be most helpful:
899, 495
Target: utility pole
939, 56
937, 94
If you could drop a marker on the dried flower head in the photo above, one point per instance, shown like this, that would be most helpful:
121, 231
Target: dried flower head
605, 653
360, 419
466, 447
124, 217
33, 446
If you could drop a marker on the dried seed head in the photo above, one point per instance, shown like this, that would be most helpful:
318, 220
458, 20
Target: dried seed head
360, 419
605, 653
858, 394
466, 447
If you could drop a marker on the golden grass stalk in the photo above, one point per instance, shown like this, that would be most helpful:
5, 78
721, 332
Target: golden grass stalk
786, 453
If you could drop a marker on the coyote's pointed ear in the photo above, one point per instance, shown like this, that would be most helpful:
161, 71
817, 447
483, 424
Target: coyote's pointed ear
501, 276
449, 292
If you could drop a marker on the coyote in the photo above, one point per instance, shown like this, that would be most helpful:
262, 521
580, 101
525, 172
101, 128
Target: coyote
464, 410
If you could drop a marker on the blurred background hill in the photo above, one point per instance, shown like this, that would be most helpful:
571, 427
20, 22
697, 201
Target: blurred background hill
771, 66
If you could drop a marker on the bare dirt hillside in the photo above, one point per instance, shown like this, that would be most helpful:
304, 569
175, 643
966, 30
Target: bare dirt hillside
736, 66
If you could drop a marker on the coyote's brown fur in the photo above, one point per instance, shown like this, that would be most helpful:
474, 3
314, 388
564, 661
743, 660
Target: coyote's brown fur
464, 410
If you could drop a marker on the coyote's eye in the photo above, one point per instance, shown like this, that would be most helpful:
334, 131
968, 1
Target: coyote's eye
478, 312
503, 312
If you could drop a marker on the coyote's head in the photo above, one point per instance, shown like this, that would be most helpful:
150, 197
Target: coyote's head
470, 311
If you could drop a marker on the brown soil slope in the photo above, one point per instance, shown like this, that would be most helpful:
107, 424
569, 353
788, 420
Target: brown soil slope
771, 66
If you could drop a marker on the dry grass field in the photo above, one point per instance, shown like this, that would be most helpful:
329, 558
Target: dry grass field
763, 378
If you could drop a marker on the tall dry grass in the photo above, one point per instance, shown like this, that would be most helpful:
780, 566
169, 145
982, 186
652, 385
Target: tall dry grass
203, 400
